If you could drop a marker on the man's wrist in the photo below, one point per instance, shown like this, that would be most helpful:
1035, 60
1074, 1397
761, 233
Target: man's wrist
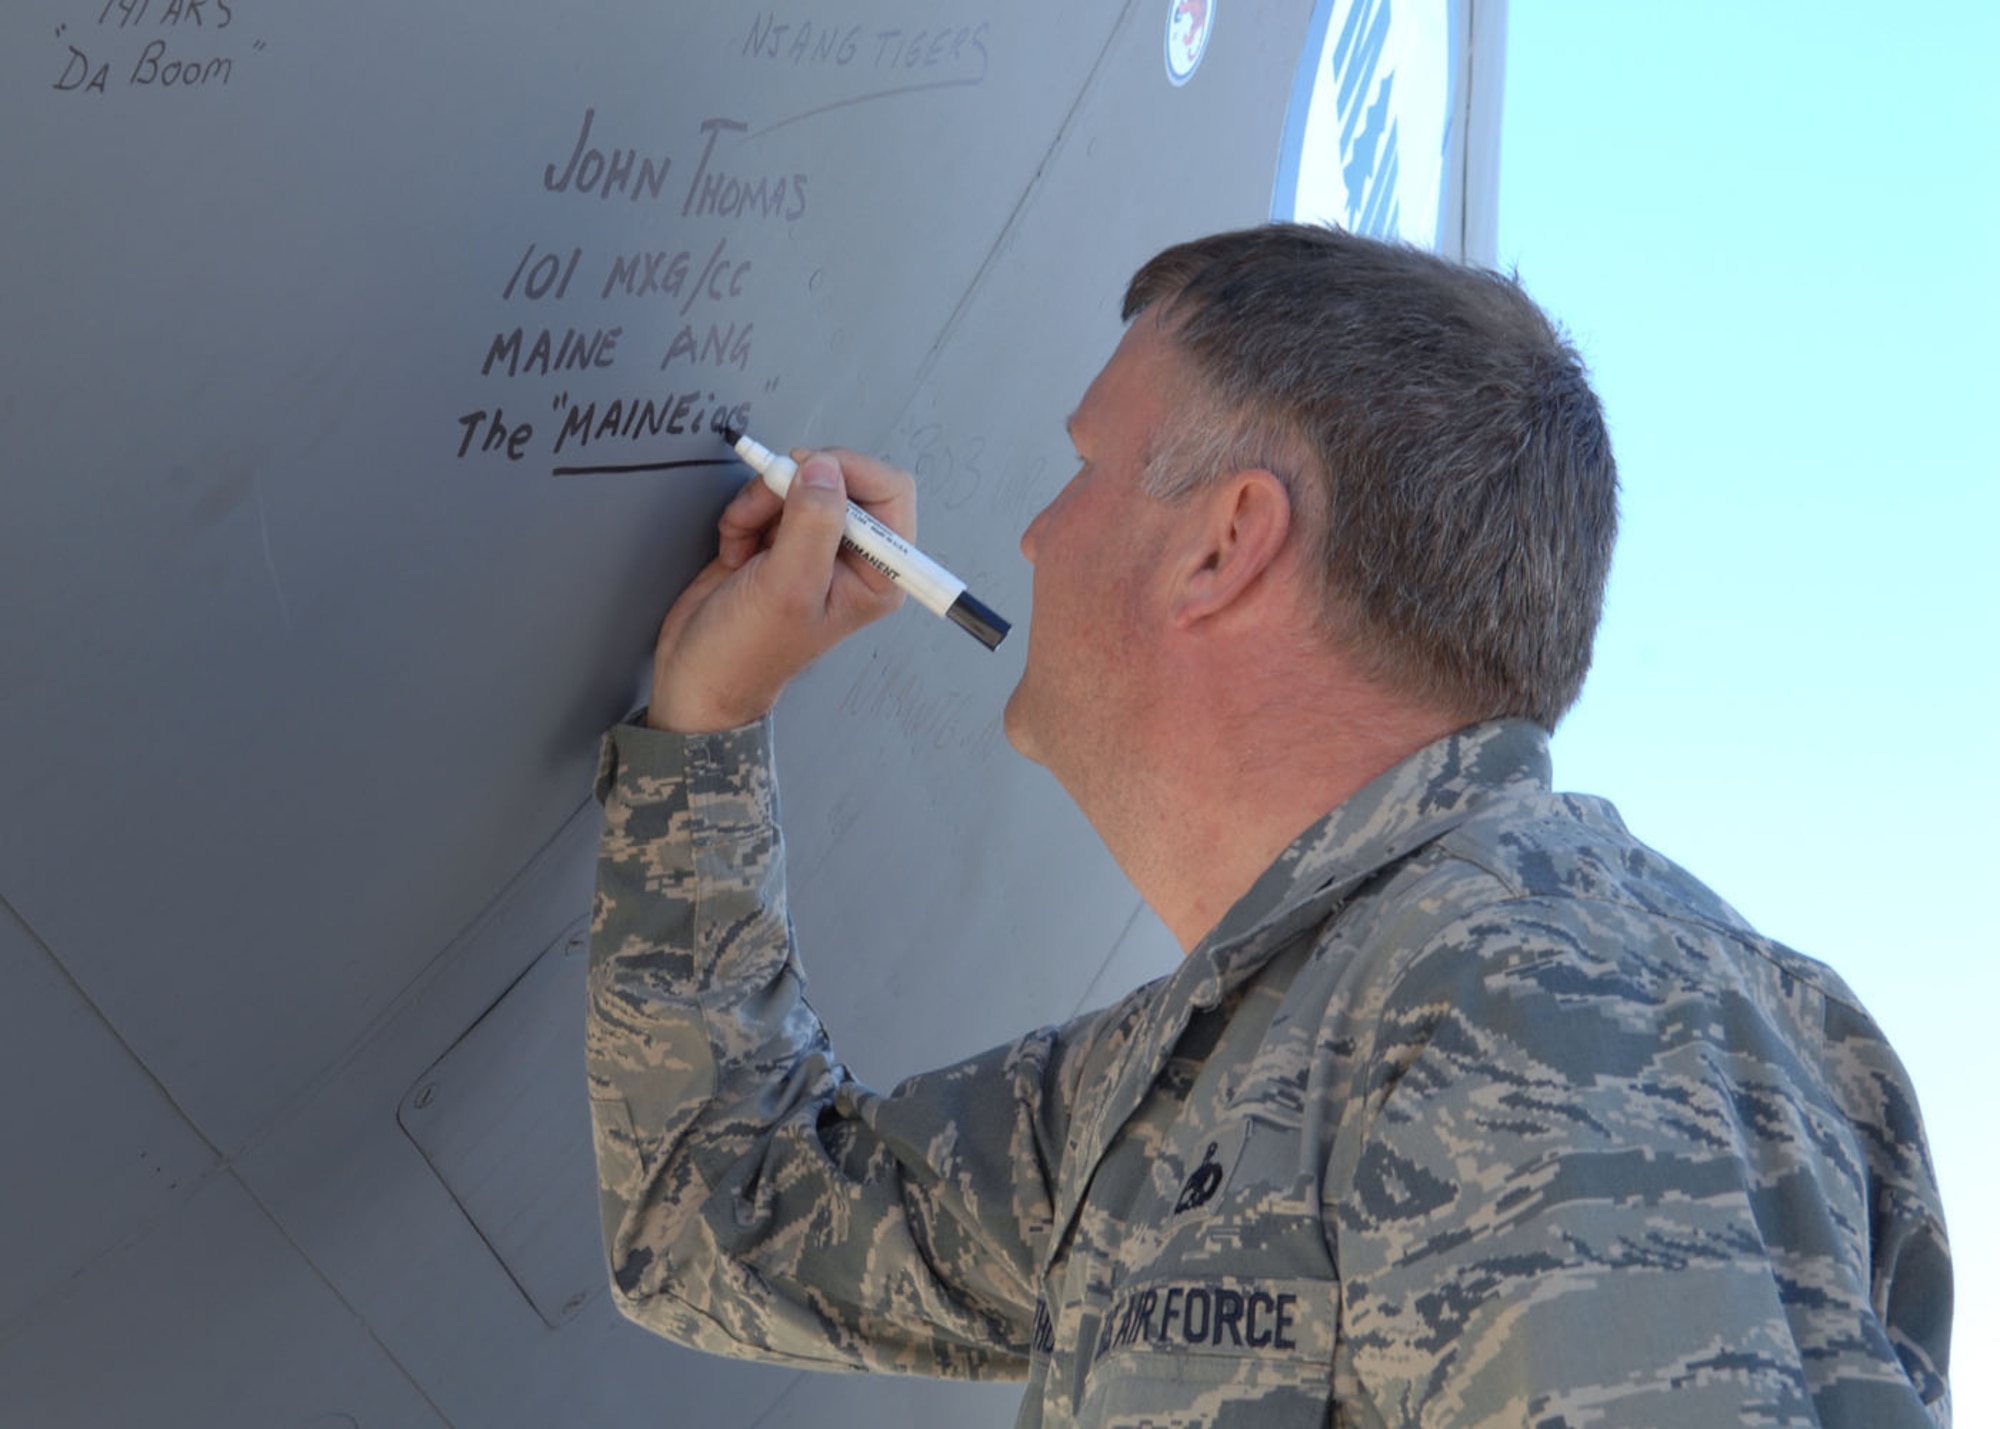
704, 717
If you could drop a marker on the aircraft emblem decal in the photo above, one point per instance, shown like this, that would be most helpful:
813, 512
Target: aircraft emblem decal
1189, 23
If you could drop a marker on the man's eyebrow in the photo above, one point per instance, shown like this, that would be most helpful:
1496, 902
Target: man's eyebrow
1069, 426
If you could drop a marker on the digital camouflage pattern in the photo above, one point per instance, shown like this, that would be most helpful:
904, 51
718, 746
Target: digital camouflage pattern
1473, 1111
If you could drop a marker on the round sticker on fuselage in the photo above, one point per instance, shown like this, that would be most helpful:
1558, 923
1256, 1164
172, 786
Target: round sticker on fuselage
1188, 25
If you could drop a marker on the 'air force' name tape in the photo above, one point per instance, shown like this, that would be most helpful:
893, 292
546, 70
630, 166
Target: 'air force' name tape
1230, 1316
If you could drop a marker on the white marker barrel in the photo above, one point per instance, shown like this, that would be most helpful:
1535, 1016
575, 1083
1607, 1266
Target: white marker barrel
934, 587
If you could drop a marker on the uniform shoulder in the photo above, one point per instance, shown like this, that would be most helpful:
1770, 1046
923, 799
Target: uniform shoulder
1534, 876
1553, 877
1559, 847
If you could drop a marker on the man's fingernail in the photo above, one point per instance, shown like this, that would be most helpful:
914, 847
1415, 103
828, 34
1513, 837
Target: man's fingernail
820, 471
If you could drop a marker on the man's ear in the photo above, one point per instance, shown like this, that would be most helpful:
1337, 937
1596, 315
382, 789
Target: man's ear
1238, 528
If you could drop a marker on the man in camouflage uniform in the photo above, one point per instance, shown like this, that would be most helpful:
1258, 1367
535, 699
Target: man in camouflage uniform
1465, 1107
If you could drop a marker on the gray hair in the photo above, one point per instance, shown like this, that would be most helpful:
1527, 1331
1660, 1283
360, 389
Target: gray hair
1444, 451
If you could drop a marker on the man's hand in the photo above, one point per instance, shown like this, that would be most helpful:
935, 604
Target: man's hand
779, 593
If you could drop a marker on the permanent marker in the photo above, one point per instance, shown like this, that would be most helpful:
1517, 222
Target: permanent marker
935, 588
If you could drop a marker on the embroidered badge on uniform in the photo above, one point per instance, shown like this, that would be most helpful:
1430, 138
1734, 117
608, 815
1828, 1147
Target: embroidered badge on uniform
1202, 1186
1211, 1173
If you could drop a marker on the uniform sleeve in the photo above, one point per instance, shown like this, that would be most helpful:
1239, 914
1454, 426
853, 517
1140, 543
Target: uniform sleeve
757, 1200
1607, 1175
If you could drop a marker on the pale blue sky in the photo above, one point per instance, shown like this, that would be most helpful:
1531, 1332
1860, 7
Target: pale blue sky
1769, 228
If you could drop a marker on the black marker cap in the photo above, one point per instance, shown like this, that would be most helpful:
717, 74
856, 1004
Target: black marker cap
967, 613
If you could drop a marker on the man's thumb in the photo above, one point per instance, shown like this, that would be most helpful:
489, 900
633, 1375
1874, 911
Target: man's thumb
821, 472
815, 515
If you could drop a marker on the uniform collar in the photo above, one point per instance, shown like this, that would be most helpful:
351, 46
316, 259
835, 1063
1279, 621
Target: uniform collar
1421, 799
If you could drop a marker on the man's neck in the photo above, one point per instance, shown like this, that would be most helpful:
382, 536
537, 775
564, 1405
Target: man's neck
1236, 772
